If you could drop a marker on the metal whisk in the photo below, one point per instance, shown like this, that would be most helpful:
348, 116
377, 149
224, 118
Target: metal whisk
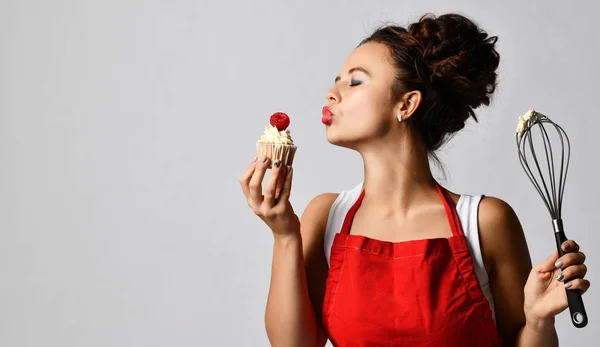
548, 173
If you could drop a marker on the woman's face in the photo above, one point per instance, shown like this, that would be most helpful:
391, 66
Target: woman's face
360, 99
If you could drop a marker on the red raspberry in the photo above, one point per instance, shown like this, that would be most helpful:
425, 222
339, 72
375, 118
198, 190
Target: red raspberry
280, 120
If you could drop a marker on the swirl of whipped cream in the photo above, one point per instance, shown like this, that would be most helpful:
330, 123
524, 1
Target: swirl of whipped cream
272, 135
526, 120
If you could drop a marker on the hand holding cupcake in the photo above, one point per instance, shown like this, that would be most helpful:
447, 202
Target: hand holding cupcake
276, 152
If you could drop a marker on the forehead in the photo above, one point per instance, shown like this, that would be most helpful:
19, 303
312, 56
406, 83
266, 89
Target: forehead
372, 56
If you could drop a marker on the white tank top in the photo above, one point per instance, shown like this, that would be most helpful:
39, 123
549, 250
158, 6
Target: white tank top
466, 207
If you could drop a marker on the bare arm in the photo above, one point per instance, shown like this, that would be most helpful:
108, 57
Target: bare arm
314, 223
289, 317
299, 271
507, 258
299, 268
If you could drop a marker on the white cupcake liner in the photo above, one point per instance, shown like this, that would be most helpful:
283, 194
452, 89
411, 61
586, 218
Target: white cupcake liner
276, 151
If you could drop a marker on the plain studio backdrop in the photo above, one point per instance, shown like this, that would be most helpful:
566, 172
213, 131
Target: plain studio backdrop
125, 126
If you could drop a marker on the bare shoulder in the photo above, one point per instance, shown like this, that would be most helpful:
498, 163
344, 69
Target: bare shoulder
495, 210
317, 212
314, 222
500, 232
497, 217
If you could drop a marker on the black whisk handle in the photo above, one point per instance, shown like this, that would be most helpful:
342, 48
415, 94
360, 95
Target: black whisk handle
576, 307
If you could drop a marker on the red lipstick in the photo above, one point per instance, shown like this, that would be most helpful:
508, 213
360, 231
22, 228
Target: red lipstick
327, 115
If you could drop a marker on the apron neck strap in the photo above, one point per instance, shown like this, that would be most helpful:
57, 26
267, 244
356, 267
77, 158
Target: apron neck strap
449, 206
350, 215
451, 212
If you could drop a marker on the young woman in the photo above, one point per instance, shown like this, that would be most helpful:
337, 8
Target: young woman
398, 260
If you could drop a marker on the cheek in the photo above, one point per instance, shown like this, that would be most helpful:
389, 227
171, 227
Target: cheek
368, 109
365, 114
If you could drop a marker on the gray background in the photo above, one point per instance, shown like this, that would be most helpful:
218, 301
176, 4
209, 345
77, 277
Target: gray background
125, 125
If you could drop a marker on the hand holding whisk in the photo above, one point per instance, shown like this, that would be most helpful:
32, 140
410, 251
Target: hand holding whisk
545, 160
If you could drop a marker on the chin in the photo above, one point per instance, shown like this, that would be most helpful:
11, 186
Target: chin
333, 135
339, 138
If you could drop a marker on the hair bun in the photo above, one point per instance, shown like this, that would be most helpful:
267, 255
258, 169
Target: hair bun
460, 58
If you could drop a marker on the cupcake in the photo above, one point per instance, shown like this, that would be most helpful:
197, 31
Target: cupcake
276, 142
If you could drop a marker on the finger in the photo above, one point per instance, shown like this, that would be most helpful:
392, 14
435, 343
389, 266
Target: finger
256, 182
570, 246
280, 180
578, 283
549, 263
287, 186
245, 179
573, 271
271, 186
570, 259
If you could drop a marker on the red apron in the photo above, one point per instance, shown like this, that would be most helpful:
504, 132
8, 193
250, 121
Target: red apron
412, 293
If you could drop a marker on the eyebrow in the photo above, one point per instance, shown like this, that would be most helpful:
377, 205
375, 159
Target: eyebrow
358, 68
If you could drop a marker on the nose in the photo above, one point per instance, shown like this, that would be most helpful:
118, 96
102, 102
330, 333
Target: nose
332, 96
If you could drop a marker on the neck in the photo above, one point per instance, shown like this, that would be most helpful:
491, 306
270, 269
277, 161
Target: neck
396, 177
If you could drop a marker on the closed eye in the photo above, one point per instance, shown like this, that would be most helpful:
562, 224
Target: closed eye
354, 83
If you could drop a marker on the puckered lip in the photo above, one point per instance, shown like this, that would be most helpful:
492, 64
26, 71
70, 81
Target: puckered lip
327, 112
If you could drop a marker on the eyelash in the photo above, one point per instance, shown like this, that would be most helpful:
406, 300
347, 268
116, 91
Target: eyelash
354, 83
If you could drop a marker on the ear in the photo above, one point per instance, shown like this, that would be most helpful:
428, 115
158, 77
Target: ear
407, 106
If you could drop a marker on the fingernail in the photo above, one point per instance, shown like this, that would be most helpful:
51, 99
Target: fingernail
264, 158
566, 246
255, 159
558, 264
560, 277
277, 163
568, 285
289, 168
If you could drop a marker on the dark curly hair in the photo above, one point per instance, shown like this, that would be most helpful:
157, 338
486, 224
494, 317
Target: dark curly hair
451, 62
